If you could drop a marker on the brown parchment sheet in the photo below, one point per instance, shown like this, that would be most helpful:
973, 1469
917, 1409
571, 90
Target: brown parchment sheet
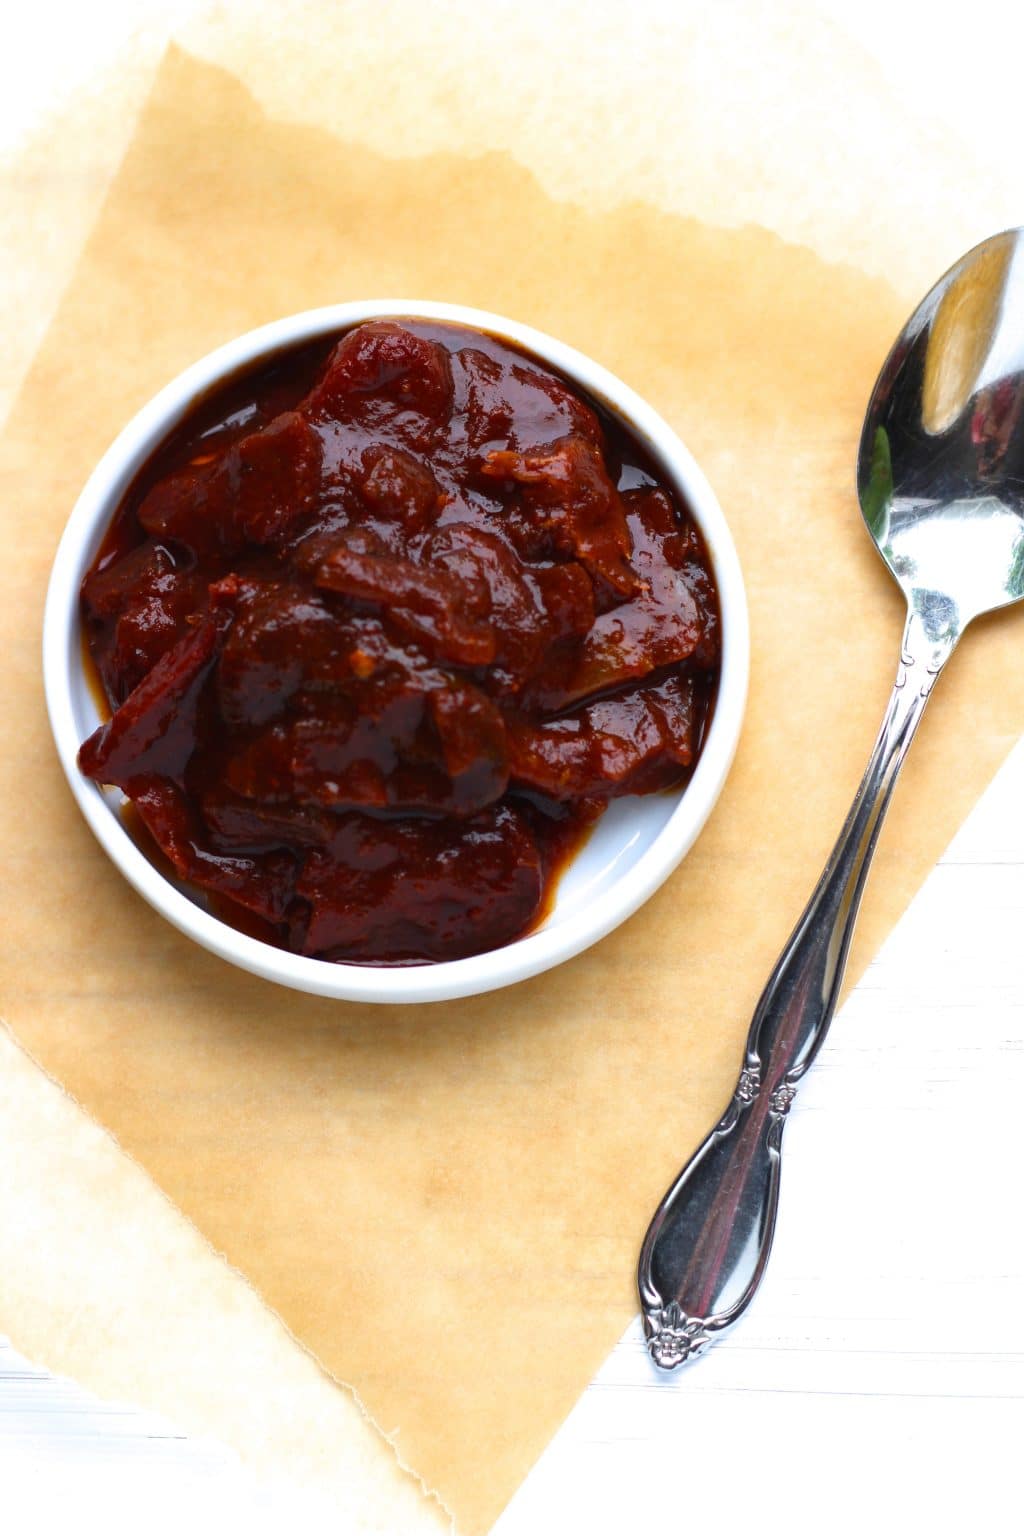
444, 1203
106, 1282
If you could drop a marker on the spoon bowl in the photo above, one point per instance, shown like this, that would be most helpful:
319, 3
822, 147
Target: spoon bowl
940, 472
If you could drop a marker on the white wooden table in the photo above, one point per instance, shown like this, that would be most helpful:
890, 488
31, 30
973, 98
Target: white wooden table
879, 1378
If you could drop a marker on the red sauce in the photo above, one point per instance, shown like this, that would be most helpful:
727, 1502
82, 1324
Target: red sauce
384, 625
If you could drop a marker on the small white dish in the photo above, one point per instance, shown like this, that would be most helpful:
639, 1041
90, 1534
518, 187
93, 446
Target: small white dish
632, 849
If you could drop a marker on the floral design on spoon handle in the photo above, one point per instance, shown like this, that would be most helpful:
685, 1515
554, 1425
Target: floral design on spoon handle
708, 1243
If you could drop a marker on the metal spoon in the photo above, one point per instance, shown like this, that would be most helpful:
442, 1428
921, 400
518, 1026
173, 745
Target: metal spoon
940, 477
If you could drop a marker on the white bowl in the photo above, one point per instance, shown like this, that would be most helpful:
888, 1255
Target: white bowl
635, 845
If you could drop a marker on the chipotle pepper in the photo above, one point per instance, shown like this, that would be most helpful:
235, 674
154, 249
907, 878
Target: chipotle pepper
383, 627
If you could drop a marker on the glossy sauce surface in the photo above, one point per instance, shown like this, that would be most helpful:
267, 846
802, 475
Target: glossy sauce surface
384, 625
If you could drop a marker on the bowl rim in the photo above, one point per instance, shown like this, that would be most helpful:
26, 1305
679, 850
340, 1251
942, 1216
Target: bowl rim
444, 980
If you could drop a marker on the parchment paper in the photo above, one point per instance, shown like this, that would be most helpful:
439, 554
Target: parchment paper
444, 1203
112, 1286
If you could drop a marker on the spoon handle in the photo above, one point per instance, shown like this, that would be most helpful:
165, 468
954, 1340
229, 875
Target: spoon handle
708, 1243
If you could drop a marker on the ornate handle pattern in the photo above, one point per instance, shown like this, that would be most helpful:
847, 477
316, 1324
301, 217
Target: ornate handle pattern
708, 1243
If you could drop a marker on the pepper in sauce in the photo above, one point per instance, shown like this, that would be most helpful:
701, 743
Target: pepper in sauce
384, 625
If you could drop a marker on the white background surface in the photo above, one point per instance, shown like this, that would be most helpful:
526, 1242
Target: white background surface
879, 1378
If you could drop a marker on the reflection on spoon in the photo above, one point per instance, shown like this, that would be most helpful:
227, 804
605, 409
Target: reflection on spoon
961, 338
